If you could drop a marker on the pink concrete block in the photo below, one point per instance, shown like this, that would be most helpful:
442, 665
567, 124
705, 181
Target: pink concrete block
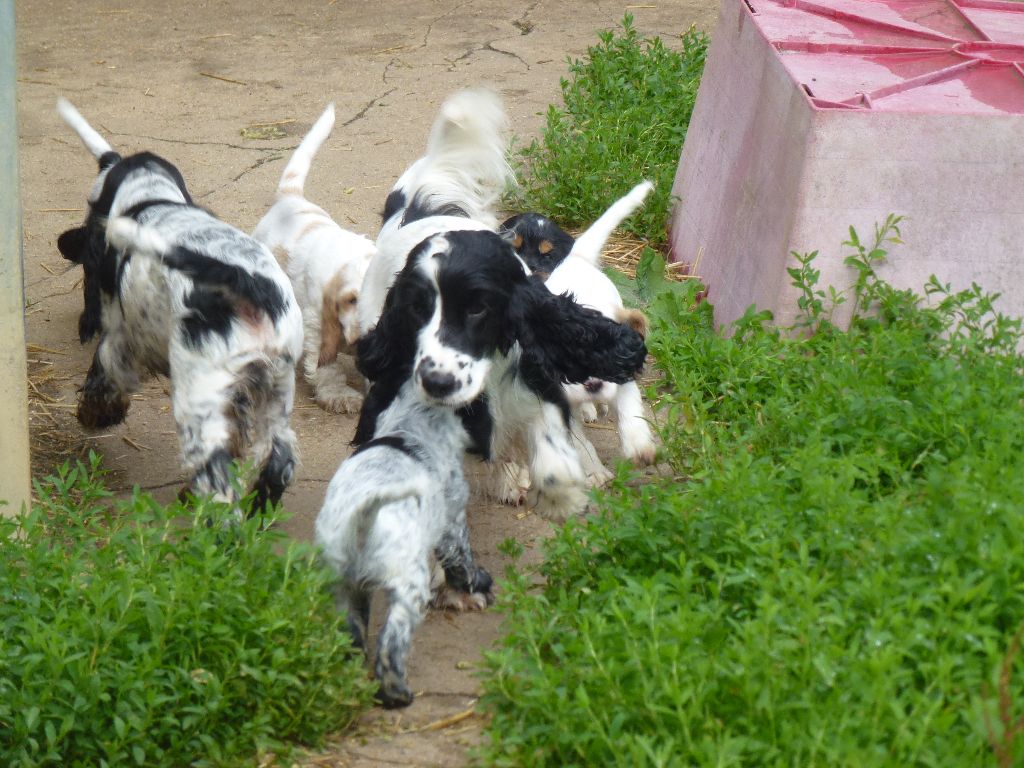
816, 115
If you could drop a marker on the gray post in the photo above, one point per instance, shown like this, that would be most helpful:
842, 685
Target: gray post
15, 484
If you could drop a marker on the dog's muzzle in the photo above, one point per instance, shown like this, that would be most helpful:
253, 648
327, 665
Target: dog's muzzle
437, 384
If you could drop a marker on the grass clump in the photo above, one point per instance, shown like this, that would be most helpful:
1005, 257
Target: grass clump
135, 634
829, 574
627, 104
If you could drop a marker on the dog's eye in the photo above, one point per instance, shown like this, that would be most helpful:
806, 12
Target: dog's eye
353, 301
476, 311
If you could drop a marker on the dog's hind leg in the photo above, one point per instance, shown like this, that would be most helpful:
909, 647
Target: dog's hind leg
273, 441
209, 441
111, 379
467, 586
276, 473
355, 603
407, 600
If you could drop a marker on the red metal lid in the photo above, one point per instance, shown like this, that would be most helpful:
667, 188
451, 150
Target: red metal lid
941, 56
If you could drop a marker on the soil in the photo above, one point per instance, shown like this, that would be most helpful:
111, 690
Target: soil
225, 90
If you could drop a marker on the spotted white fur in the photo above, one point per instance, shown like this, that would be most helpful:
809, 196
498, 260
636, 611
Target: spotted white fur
398, 501
232, 377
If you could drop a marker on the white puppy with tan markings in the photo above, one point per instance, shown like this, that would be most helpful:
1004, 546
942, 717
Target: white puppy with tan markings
326, 265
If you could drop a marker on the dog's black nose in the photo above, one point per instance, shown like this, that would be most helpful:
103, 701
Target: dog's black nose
593, 385
436, 383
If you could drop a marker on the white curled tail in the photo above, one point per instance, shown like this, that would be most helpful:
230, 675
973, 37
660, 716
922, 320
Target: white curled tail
95, 143
465, 165
293, 180
588, 245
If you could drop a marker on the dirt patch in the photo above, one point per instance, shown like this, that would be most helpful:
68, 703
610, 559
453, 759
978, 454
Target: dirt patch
224, 89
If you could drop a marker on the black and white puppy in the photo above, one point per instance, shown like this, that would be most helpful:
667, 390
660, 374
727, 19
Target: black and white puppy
538, 240
468, 322
474, 330
454, 186
400, 498
172, 290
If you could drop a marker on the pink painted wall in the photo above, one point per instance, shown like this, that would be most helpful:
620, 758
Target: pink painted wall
768, 168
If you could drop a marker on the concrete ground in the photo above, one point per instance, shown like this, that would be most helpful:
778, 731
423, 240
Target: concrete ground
185, 81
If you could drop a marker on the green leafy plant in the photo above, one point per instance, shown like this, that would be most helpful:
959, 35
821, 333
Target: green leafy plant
137, 634
828, 570
627, 105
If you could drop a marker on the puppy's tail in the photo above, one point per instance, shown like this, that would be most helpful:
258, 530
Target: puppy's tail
588, 245
293, 180
124, 233
465, 165
95, 143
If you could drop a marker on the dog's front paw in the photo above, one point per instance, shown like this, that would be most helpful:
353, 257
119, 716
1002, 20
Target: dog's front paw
640, 449
332, 391
394, 693
346, 400
512, 484
102, 411
599, 475
448, 599
558, 503
479, 595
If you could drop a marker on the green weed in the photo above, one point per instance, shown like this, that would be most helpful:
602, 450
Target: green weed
136, 634
627, 105
829, 571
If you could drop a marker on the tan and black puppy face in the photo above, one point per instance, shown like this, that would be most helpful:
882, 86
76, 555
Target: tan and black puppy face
538, 241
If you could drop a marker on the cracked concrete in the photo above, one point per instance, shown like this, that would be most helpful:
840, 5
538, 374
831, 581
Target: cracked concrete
184, 81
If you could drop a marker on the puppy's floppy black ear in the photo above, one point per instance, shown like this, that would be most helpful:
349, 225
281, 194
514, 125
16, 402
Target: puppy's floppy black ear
565, 342
73, 244
387, 351
79, 245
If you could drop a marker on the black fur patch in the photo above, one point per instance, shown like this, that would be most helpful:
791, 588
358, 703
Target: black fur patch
393, 204
534, 229
211, 312
274, 478
262, 292
479, 425
107, 159
389, 441
420, 208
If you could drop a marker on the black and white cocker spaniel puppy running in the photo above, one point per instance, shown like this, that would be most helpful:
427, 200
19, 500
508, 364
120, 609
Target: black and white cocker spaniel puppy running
326, 265
172, 290
469, 324
398, 500
475, 332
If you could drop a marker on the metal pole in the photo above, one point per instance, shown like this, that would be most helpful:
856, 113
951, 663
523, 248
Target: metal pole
15, 484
